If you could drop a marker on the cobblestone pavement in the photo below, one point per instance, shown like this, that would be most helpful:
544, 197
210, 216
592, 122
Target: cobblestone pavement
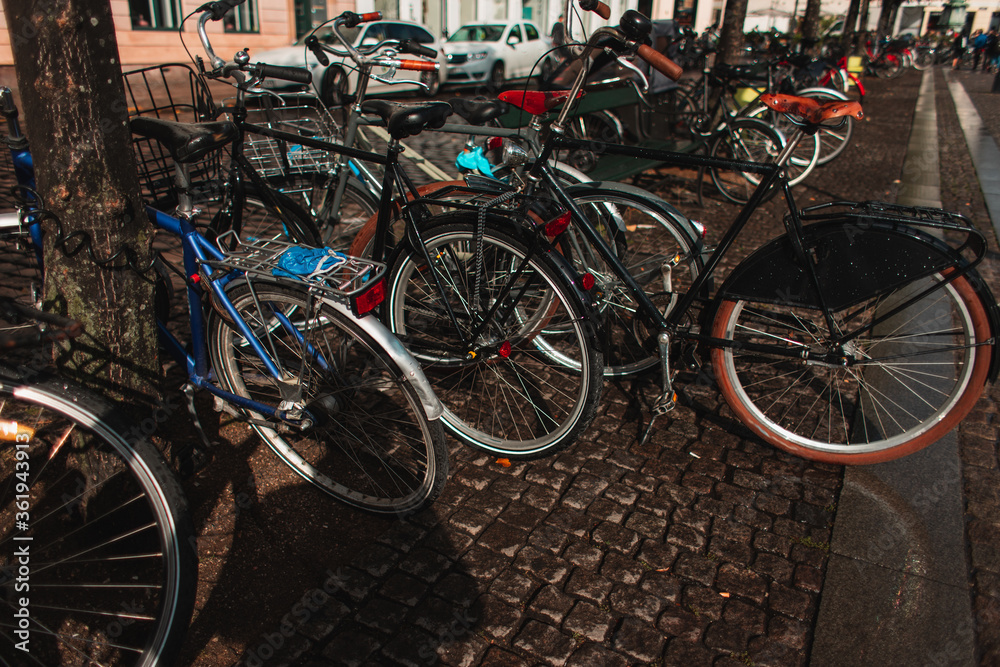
704, 547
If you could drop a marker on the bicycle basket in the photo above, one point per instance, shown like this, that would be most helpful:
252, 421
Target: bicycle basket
300, 114
171, 92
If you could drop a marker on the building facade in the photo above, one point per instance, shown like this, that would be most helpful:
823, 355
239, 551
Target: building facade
147, 30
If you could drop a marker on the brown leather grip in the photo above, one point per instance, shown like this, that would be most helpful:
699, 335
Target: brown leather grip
371, 16
659, 61
418, 65
603, 11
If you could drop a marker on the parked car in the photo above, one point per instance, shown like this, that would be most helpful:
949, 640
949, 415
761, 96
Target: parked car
493, 53
339, 78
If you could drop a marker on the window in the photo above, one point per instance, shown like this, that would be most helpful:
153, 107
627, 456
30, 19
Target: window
531, 31
154, 14
515, 32
242, 18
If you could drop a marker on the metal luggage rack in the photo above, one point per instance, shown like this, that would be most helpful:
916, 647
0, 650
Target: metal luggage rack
261, 258
177, 93
300, 114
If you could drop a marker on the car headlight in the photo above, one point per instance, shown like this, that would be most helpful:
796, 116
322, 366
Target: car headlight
478, 55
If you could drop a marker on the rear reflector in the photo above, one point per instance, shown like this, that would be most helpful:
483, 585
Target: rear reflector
368, 300
554, 228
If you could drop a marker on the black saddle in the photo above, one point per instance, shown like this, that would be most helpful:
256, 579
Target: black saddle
479, 110
406, 121
187, 142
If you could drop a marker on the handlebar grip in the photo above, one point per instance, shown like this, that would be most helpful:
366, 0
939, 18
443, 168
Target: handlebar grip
293, 74
417, 49
597, 7
418, 65
660, 62
220, 8
313, 45
370, 16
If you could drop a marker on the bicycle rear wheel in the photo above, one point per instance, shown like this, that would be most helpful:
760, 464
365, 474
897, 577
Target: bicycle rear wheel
106, 568
372, 445
521, 385
746, 139
880, 396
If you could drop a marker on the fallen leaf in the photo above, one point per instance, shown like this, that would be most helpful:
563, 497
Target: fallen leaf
504, 462
725, 595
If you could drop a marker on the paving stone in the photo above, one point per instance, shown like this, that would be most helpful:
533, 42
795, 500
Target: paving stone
498, 657
647, 525
604, 509
487, 501
767, 652
551, 604
681, 495
645, 483
584, 555
686, 536
377, 559
777, 544
504, 539
483, 564
737, 495
514, 587
549, 538
540, 497
497, 619
403, 589
699, 484
457, 588
727, 550
547, 477
447, 542
743, 582
789, 632
594, 655
382, 615
772, 504
411, 647
703, 601
664, 585
509, 487
350, 647
402, 536
622, 494
540, 639
627, 601
658, 556
522, 515
727, 637
471, 521
677, 621
732, 530
774, 567
542, 565
808, 555
790, 528
808, 579
571, 521
586, 584
465, 652
745, 615
638, 640
618, 567
696, 568
425, 564
439, 617
587, 621
791, 602
615, 537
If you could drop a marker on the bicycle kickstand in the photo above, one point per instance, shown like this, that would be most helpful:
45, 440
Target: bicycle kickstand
668, 397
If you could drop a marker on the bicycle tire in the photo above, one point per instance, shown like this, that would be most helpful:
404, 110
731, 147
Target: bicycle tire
372, 445
113, 566
598, 126
885, 408
534, 385
311, 190
647, 237
748, 139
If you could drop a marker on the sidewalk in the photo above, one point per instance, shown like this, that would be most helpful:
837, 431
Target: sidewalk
704, 547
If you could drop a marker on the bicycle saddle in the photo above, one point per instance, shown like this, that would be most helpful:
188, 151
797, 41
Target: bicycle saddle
478, 111
403, 121
810, 110
536, 102
187, 142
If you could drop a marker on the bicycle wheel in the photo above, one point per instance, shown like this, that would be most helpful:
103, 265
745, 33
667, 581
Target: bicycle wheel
652, 246
522, 382
312, 191
106, 569
746, 139
882, 395
371, 444
598, 126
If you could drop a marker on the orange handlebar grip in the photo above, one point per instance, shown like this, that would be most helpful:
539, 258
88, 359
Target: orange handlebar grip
659, 61
418, 65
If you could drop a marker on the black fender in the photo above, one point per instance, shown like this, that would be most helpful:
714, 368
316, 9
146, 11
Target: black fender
878, 256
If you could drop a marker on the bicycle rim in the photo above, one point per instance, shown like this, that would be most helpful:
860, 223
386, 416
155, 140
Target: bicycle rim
108, 568
525, 386
749, 140
906, 383
371, 444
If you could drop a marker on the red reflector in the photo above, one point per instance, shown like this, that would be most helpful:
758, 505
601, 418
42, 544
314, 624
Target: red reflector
504, 349
195, 278
368, 300
556, 227
587, 282
493, 143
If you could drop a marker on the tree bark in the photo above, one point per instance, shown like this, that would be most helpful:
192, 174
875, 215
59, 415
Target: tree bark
850, 22
731, 38
70, 83
810, 27
862, 39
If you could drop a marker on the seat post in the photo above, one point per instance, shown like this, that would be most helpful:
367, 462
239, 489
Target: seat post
182, 181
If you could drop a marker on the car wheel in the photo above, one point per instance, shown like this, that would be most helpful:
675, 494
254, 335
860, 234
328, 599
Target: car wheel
333, 88
433, 82
495, 82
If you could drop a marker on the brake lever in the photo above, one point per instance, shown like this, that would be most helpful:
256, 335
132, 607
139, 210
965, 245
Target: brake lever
633, 67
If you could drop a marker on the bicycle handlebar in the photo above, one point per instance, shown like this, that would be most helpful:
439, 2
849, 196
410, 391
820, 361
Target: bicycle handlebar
597, 7
660, 62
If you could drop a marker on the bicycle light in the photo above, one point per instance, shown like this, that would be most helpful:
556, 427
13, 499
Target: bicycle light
555, 227
369, 299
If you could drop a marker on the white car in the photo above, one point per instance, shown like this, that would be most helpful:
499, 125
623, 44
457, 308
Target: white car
339, 78
493, 53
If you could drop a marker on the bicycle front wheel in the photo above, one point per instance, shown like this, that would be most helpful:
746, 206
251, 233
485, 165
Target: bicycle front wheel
878, 396
503, 336
98, 548
371, 444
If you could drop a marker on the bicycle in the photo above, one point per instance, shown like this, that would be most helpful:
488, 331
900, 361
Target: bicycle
280, 338
811, 333
98, 562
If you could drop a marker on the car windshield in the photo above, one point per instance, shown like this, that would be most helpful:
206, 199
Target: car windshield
477, 33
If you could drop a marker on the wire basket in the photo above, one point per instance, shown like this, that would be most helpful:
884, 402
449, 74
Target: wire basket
341, 280
299, 114
177, 93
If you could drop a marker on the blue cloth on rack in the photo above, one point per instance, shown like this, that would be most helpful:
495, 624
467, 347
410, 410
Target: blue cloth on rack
297, 262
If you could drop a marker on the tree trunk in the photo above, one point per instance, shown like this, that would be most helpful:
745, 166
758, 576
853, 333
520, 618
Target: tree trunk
731, 38
70, 81
850, 22
862, 39
810, 27
885, 19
